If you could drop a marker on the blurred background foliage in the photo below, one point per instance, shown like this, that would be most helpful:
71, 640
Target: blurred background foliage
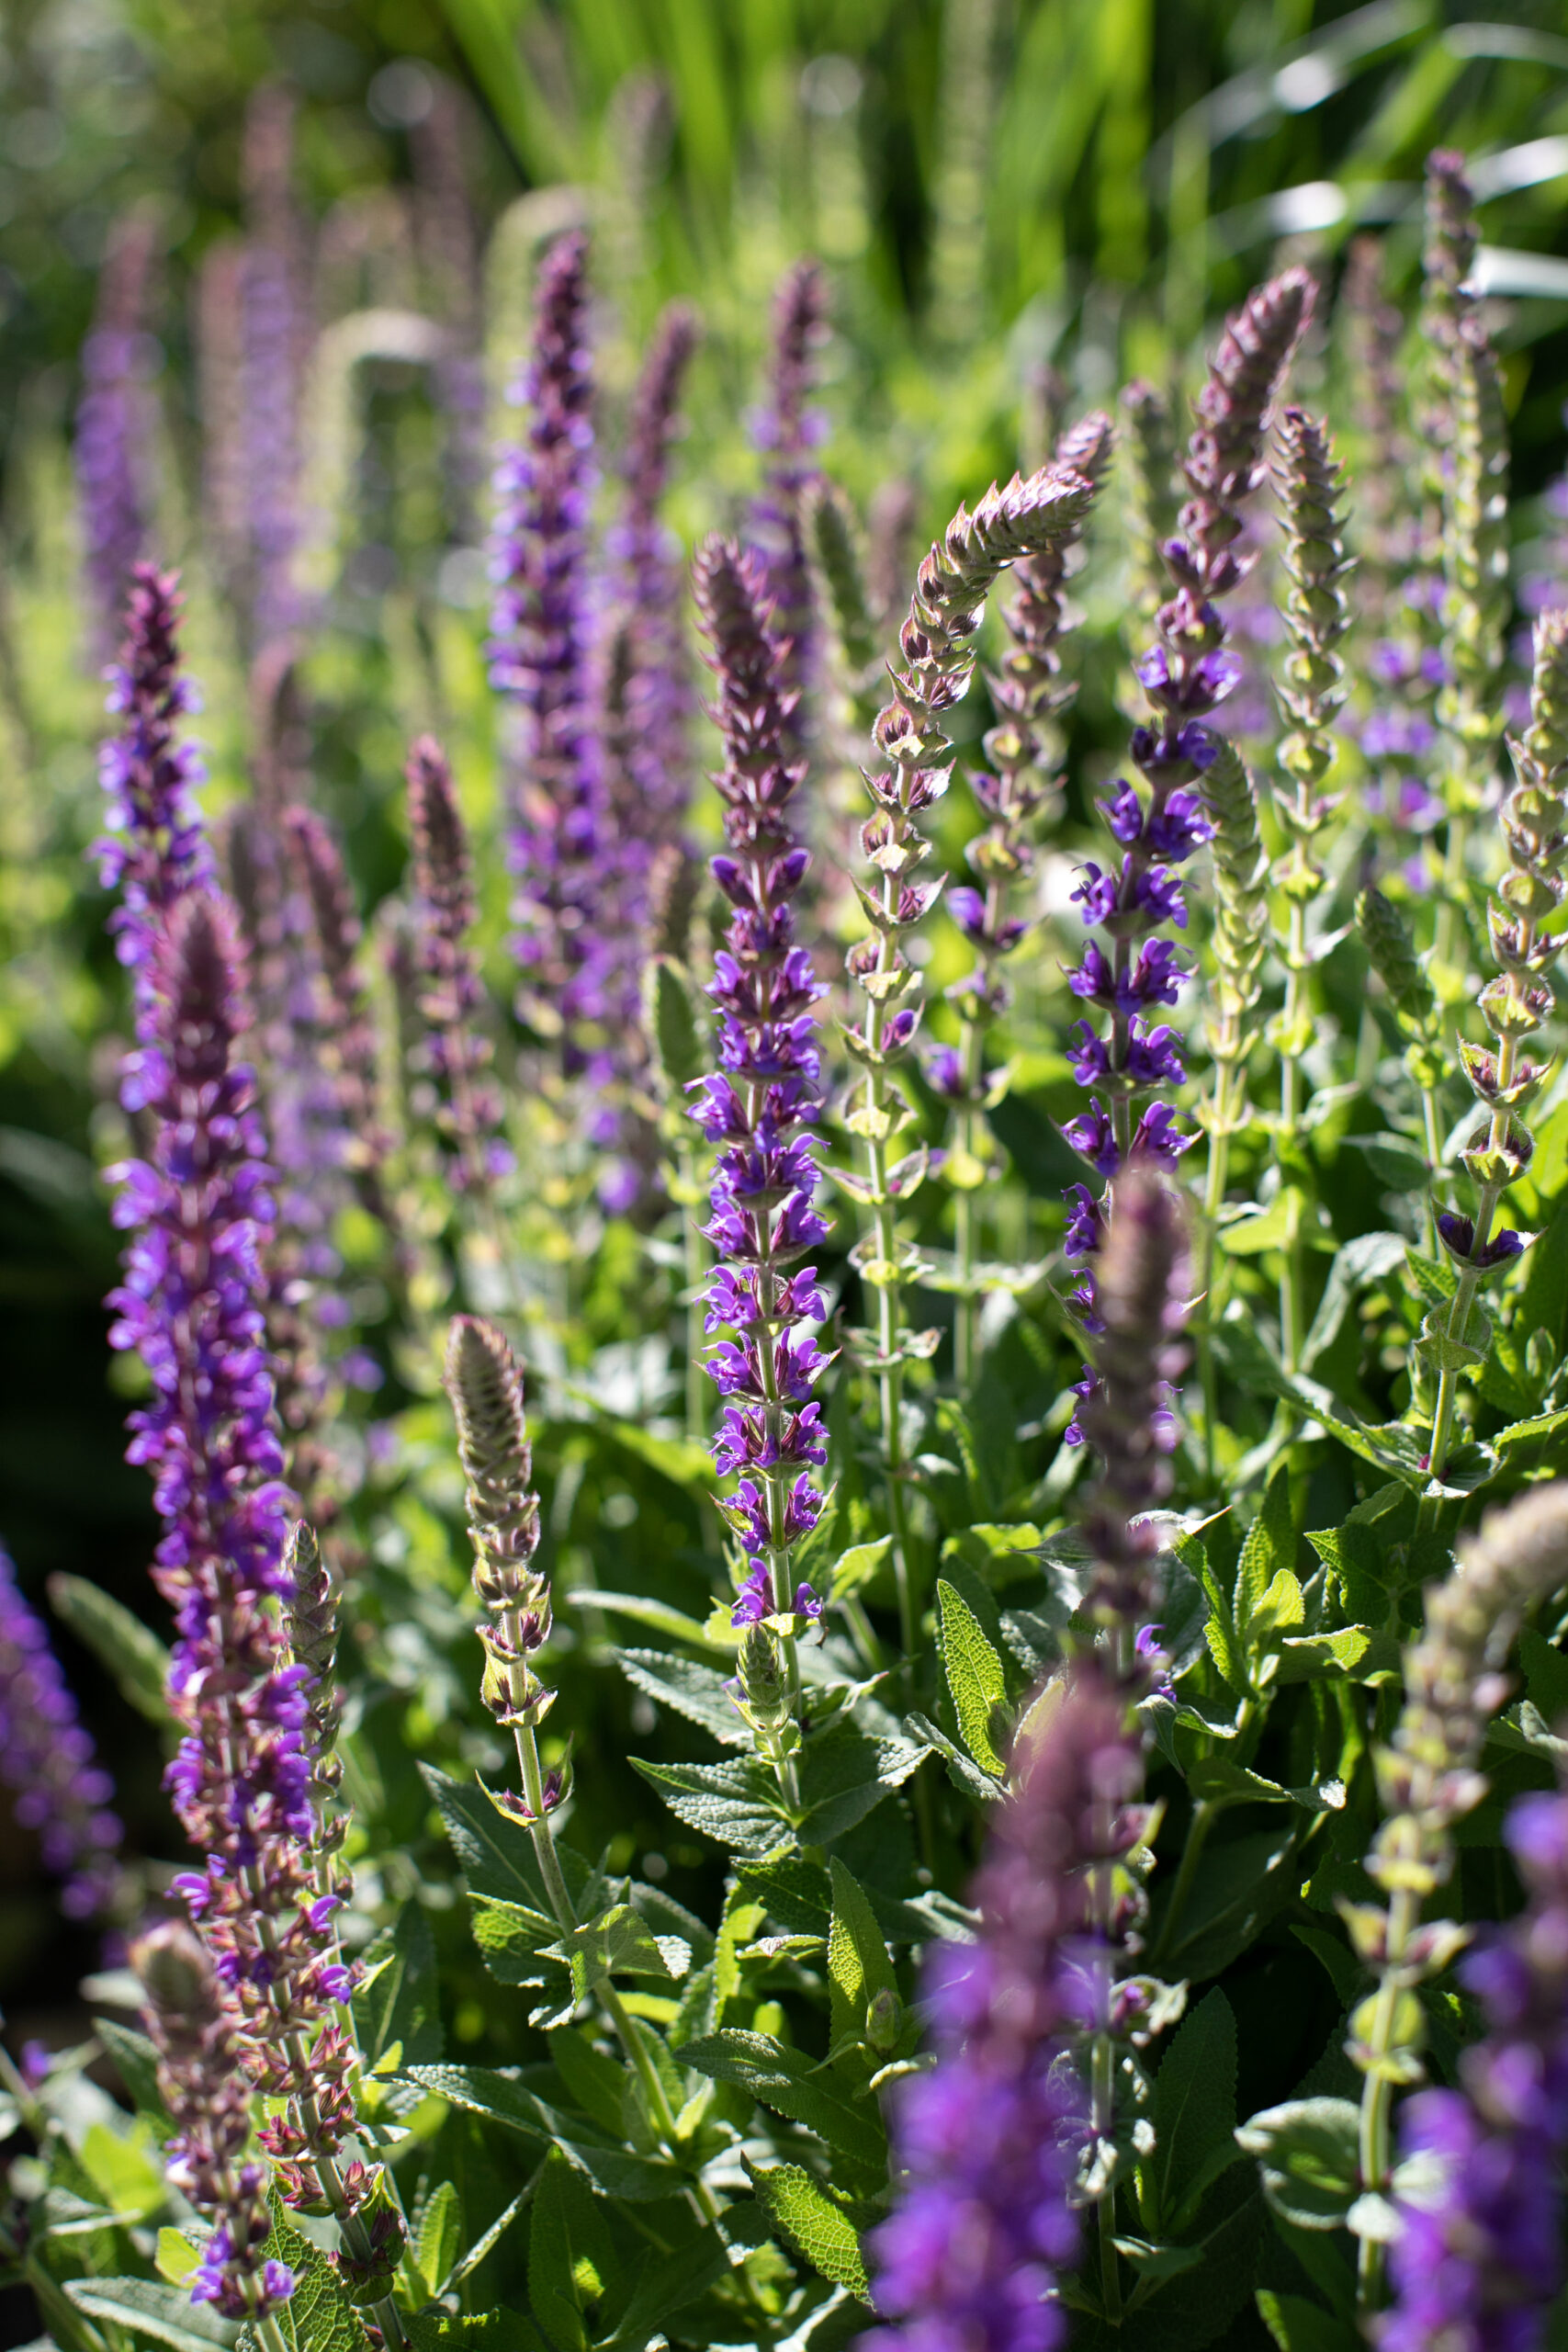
993, 184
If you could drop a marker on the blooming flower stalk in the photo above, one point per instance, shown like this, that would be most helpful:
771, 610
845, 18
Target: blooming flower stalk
1024, 749
47, 1760
274, 335
451, 992
1309, 479
1479, 2192
1504, 1079
114, 424
1186, 675
203, 2087
344, 1028
758, 1108
787, 429
541, 660
1391, 951
1427, 1779
938, 646
1153, 498
989, 2143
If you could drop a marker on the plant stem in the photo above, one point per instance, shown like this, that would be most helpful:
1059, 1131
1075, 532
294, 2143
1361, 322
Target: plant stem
1103, 2120
1377, 2090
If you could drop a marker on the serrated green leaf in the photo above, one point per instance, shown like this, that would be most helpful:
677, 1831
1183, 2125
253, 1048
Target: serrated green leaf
124, 2168
814, 2222
1355, 1650
151, 2309
317, 2317
788, 2081
1281, 1609
175, 2257
496, 2093
1307, 2150
858, 1964
845, 1774
136, 2061
964, 1775
975, 1680
1297, 2326
496, 1854
129, 1651
1220, 1633
436, 2243
1271, 1545
615, 1944
854, 1569
574, 2269
669, 1017
690, 1689
511, 1937
735, 1801
400, 2001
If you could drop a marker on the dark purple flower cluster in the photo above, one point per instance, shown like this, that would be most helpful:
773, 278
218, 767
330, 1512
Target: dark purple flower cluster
764, 1100
541, 659
113, 427
1186, 675
1479, 2260
47, 1760
203, 2086
989, 2141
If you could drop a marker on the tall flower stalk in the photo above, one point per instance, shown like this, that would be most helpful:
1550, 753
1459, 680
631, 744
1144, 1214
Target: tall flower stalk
113, 423
451, 992
203, 2087
1391, 951
1428, 1780
758, 1108
1504, 1079
47, 1760
1025, 751
938, 646
787, 429
1309, 479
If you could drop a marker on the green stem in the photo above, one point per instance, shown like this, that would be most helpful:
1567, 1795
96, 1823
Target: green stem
1103, 2090
1203, 1818
1377, 2089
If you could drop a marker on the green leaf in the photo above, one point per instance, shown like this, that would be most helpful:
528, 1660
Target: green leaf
854, 1569
496, 2093
1271, 1545
1367, 1258
1308, 2152
1220, 1633
667, 2284
123, 2168
965, 1776
434, 2330
1345, 1972
1395, 1161
1235, 1891
1194, 2113
1546, 1675
1355, 1650
317, 2317
434, 2247
511, 1937
999, 1555
136, 2061
670, 1018
858, 1966
975, 1680
679, 1459
152, 2308
129, 1651
616, 1944
400, 1999
1280, 1608
574, 2270
1520, 1434
812, 2220
693, 1690
735, 1802
175, 2257
661, 1619
844, 1775
1271, 1229
1297, 2326
496, 1855
788, 2081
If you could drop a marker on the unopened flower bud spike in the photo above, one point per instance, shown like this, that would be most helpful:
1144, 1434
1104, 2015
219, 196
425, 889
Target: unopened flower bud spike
937, 648
1391, 951
1506, 1079
1309, 480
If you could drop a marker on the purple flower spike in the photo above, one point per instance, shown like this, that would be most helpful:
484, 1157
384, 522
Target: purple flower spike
789, 431
761, 1109
47, 1758
114, 426
988, 2140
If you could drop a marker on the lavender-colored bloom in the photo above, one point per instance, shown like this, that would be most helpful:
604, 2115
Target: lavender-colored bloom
451, 995
541, 659
113, 422
765, 1097
1185, 674
787, 430
274, 335
48, 1758
345, 1031
202, 2083
989, 2143
1479, 2258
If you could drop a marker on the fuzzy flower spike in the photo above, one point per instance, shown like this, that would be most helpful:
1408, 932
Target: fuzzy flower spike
1503, 1077
61, 1790
938, 645
758, 1108
1186, 675
1024, 749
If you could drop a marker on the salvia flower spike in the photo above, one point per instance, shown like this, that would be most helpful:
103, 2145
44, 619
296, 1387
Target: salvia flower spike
787, 429
1505, 1078
47, 1758
989, 2143
1428, 1780
1479, 2189
451, 993
937, 643
113, 423
1023, 750
1391, 951
1185, 675
758, 1108
204, 2087
1309, 479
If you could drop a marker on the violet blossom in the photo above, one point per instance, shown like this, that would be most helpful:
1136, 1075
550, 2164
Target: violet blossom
456, 1050
786, 429
114, 424
47, 1760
